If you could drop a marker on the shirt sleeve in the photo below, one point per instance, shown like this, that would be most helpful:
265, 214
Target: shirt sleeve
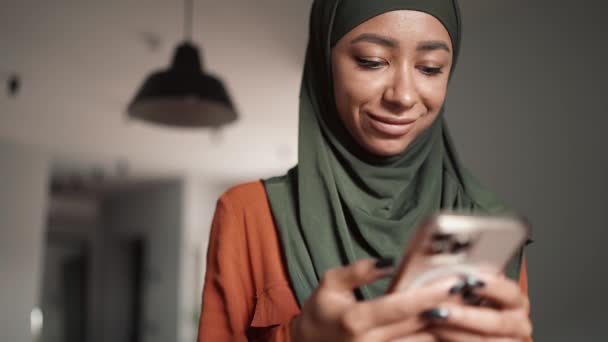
226, 302
228, 309
523, 282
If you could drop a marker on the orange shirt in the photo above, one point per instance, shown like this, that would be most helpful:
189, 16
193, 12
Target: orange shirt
247, 296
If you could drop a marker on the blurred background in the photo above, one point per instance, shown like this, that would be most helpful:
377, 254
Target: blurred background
104, 219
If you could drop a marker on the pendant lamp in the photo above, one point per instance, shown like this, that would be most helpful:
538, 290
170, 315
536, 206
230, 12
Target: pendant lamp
183, 95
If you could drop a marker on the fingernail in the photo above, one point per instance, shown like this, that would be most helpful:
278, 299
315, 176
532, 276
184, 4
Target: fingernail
459, 288
475, 283
384, 262
471, 298
436, 315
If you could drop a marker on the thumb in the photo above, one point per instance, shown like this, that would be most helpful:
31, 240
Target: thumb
361, 272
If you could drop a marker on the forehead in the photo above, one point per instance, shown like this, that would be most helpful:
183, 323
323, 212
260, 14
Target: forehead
406, 26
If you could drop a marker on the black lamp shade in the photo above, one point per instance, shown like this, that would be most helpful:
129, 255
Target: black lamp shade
183, 95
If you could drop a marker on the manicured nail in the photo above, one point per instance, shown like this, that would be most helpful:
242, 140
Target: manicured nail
471, 298
475, 283
384, 262
459, 288
436, 315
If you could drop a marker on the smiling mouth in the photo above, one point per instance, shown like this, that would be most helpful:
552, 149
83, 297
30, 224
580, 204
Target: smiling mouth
390, 126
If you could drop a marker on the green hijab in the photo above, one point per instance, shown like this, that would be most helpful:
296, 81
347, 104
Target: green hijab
340, 203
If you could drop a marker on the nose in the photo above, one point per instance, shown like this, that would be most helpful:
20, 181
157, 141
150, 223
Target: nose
401, 93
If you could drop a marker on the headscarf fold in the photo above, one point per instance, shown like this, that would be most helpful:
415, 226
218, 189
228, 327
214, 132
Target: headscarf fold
340, 203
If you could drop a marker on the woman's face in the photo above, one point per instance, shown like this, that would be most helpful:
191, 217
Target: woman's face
390, 76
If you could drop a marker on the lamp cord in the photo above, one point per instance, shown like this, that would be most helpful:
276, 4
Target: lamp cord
188, 14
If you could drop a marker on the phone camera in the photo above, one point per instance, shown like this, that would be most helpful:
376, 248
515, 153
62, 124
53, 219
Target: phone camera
442, 243
460, 246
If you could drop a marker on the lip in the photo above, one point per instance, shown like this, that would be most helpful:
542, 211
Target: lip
390, 126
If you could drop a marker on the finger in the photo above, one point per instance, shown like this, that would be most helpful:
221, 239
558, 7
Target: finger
350, 277
402, 307
503, 291
487, 321
409, 328
420, 337
458, 335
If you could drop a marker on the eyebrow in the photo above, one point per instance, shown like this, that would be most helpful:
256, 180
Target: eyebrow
427, 45
431, 45
376, 39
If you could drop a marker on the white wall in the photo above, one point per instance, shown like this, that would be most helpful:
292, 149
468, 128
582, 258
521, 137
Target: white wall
23, 184
528, 111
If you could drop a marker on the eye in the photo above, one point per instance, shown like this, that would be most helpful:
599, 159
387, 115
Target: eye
430, 71
369, 63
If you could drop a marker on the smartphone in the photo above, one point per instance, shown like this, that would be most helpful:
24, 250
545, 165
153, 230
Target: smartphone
458, 245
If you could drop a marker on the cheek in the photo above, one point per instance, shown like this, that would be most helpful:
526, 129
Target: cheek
433, 92
354, 89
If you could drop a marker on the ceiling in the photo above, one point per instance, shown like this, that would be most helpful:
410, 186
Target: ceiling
80, 63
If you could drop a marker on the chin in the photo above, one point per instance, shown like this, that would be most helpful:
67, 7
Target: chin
385, 148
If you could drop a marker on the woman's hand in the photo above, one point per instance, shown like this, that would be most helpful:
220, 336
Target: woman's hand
332, 313
504, 318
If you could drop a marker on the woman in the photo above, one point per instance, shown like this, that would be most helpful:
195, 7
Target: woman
304, 256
